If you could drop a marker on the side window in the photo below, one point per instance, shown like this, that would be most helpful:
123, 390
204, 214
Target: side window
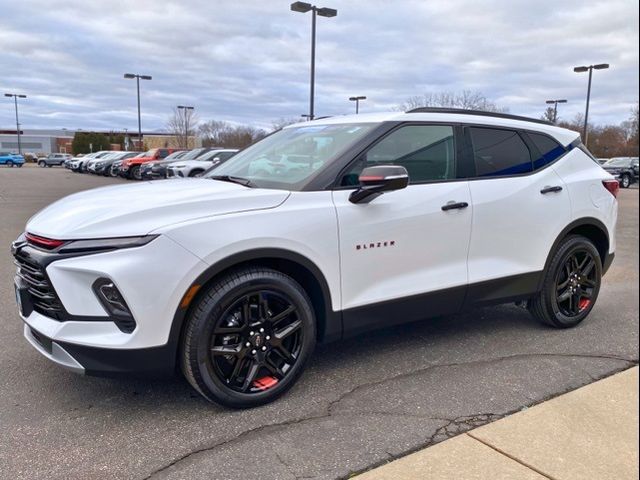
426, 151
549, 149
499, 152
163, 153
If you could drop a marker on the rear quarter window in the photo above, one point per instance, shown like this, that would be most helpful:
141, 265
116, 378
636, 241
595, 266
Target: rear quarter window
549, 150
499, 152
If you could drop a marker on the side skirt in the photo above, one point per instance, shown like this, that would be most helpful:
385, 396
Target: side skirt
442, 302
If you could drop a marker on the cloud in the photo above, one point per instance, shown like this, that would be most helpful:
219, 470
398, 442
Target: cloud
248, 61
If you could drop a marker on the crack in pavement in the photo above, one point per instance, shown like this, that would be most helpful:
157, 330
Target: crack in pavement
329, 410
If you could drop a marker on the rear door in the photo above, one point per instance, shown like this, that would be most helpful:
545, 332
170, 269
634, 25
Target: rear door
402, 256
519, 208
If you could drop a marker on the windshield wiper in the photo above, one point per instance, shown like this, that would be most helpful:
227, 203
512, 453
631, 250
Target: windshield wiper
230, 178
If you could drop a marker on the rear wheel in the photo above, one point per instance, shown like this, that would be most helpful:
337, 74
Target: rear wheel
571, 284
248, 338
625, 181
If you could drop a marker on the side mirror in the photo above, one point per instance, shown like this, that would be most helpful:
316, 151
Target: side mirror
374, 181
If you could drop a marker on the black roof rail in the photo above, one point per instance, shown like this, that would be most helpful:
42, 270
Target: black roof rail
480, 113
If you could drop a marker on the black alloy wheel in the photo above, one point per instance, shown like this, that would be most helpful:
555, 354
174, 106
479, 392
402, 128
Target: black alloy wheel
576, 283
571, 284
249, 337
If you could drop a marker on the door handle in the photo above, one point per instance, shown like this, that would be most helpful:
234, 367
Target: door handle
546, 190
454, 206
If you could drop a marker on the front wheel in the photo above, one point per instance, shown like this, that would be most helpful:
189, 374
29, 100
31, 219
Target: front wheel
135, 173
42, 164
9, 164
248, 338
625, 181
195, 173
571, 284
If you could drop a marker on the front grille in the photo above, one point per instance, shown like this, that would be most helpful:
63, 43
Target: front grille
45, 301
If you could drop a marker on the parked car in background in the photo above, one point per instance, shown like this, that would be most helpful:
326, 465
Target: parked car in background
114, 171
79, 164
11, 159
54, 159
130, 167
102, 166
625, 169
193, 168
158, 169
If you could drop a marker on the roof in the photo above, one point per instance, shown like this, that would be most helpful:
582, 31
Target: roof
564, 136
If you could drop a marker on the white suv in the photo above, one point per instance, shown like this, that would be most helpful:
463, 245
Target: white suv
319, 231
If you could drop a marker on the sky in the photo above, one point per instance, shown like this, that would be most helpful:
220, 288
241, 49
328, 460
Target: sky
248, 61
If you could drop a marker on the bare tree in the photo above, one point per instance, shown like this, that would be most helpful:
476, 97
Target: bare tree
467, 100
215, 133
282, 122
549, 115
182, 125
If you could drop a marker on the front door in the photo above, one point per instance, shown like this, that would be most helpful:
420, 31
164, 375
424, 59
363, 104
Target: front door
402, 256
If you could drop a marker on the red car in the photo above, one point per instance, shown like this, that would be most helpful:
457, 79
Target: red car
131, 166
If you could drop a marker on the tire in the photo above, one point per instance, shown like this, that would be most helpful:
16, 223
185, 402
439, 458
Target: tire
571, 284
193, 173
134, 173
112, 172
625, 181
19, 165
42, 164
261, 364
9, 163
49, 165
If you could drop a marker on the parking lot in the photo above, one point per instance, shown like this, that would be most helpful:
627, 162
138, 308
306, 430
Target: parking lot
360, 403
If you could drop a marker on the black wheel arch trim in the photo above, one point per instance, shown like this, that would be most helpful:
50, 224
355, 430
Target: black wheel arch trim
329, 328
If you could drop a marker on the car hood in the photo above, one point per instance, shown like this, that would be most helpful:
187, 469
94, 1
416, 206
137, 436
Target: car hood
139, 209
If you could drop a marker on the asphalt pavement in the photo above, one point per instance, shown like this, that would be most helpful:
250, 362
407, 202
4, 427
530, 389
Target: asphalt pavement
361, 402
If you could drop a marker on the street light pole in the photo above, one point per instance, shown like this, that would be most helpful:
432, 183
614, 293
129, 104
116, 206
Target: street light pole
555, 108
185, 110
303, 7
138, 78
357, 100
590, 68
15, 101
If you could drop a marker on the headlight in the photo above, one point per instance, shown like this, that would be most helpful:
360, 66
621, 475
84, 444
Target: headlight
102, 244
178, 166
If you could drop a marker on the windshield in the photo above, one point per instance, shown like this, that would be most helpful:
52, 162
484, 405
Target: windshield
288, 158
174, 155
618, 162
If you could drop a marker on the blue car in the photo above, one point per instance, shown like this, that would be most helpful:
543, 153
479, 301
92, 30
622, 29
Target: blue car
10, 159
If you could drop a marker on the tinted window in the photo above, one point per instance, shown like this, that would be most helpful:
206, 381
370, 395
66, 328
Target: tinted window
549, 149
426, 151
499, 152
225, 155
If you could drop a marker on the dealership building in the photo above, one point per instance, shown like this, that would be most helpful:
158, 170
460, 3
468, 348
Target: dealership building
44, 142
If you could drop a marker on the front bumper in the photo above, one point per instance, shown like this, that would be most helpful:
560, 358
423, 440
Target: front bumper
105, 362
152, 279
